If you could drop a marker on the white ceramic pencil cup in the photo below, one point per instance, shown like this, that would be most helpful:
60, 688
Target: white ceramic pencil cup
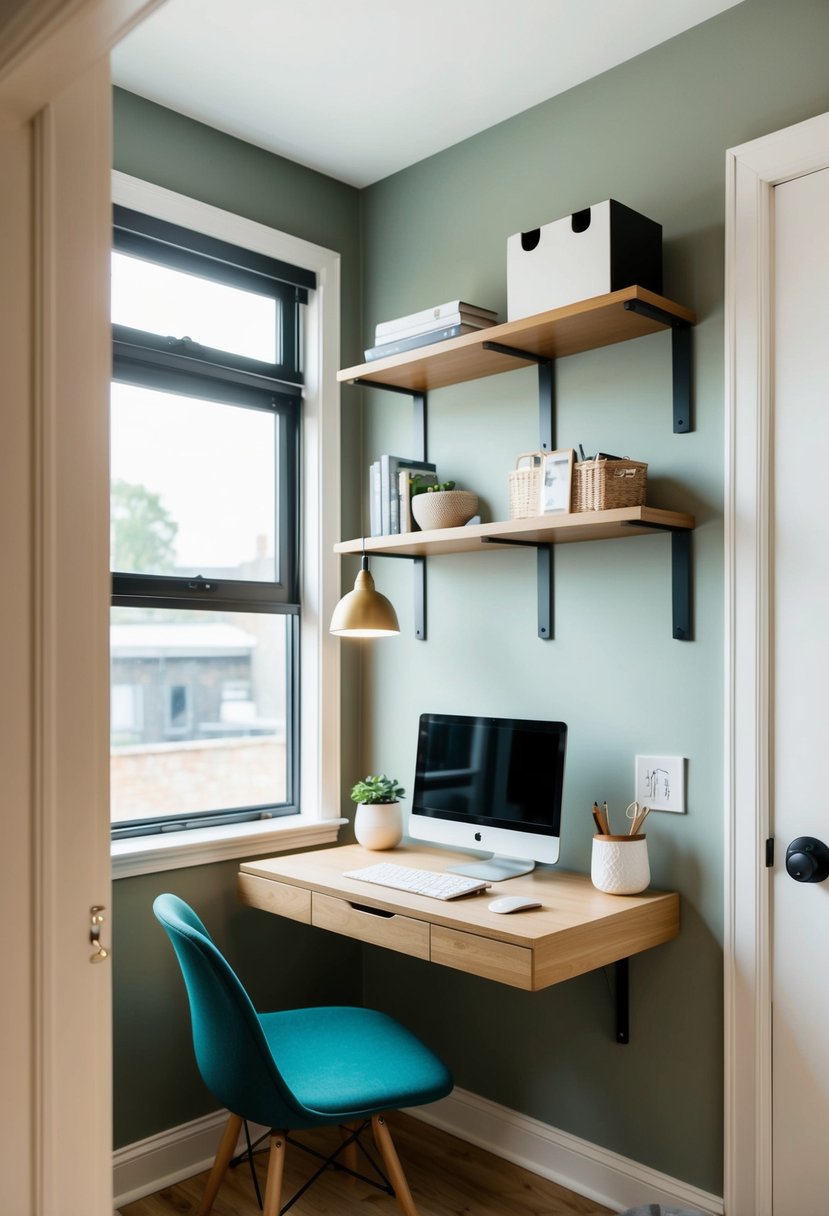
619, 864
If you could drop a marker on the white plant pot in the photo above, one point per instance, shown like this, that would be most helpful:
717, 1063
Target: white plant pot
378, 825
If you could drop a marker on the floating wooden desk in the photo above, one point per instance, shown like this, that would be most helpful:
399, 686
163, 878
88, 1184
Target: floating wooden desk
577, 928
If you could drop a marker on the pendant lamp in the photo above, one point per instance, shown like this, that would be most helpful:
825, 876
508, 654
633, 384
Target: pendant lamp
364, 612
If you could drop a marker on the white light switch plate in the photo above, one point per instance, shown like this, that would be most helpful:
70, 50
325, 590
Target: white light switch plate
660, 783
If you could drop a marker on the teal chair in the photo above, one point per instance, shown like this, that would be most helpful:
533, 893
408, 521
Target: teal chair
297, 1068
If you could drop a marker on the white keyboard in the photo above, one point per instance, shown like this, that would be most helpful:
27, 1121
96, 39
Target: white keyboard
419, 882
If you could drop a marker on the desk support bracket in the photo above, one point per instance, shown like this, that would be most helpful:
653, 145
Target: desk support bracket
622, 968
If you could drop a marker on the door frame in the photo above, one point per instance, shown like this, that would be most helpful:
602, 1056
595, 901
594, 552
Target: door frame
55, 351
752, 171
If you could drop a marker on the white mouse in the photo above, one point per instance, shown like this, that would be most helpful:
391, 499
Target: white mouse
513, 903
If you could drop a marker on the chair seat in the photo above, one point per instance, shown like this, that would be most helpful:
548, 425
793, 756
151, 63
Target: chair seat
342, 1062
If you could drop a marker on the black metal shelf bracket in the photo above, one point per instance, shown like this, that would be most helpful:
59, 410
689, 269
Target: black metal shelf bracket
419, 413
622, 969
544, 576
546, 443
546, 390
681, 629
681, 358
420, 427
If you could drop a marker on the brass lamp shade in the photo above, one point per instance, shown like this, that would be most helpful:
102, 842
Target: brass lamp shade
364, 612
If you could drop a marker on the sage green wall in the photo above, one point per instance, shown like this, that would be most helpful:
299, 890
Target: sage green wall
156, 1083
653, 134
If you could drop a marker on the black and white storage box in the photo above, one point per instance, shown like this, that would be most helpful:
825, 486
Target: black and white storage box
589, 253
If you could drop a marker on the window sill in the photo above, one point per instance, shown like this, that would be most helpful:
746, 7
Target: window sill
175, 850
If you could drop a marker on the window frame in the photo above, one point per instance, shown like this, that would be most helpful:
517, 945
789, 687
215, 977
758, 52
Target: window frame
316, 573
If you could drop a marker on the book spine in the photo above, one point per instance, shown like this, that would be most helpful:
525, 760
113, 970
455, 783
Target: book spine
405, 470
432, 315
453, 318
374, 499
405, 501
396, 348
385, 496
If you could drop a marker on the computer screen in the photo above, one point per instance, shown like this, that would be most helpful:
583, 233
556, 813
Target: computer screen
493, 784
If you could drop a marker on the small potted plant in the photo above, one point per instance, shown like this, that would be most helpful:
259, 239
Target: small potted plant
441, 505
378, 823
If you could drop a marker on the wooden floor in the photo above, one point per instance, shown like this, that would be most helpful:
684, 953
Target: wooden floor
447, 1176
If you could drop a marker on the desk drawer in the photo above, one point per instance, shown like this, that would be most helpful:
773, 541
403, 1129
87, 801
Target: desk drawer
399, 933
483, 956
277, 897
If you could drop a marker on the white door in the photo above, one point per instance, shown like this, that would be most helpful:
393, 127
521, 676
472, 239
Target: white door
800, 695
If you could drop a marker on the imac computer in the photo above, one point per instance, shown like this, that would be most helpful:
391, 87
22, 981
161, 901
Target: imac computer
492, 784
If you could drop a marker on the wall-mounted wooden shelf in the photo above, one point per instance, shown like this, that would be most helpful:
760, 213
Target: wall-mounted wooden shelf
586, 325
539, 341
543, 530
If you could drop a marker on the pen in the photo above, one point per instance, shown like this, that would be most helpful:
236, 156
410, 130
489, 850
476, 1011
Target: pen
601, 819
606, 819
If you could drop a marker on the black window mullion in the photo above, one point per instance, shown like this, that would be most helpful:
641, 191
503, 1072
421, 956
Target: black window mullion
190, 378
209, 594
182, 249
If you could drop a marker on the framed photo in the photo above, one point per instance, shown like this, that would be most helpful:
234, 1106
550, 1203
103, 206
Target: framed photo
556, 482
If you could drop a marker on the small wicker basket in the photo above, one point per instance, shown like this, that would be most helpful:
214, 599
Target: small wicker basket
525, 485
600, 485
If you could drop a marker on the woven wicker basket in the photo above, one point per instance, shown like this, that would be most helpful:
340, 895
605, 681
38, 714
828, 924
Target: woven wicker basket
600, 485
525, 485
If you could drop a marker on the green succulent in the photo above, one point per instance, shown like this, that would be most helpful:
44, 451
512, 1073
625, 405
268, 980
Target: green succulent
377, 789
420, 485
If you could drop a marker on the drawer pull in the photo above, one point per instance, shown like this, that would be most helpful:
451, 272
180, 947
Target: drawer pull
371, 911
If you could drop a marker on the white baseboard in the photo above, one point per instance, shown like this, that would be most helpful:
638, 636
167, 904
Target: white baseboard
148, 1165
598, 1174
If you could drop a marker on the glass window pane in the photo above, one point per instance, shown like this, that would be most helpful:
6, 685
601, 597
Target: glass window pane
199, 712
193, 487
175, 304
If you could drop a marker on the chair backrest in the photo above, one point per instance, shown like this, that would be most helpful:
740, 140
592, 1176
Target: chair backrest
232, 1053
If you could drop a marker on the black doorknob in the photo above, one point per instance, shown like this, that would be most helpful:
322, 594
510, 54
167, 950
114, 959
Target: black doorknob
807, 859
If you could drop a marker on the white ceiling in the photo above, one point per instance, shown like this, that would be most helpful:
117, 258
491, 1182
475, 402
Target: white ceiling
359, 89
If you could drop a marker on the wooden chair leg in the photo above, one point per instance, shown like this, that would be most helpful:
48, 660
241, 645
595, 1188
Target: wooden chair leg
383, 1140
227, 1148
349, 1155
276, 1164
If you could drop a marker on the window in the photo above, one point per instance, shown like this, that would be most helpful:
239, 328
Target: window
205, 458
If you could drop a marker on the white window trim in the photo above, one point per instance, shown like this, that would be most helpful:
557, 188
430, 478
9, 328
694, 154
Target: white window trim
319, 820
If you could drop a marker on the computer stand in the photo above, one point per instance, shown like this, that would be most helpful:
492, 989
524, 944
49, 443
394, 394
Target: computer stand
495, 868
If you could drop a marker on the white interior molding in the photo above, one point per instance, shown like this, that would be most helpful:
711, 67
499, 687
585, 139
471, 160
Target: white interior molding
752, 171
320, 573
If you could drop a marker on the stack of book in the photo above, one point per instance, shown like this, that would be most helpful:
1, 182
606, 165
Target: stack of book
431, 325
390, 493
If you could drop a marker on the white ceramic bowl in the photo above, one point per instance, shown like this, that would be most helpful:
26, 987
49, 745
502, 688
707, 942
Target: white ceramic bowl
444, 508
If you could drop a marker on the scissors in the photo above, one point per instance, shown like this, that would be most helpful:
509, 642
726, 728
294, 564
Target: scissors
637, 815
